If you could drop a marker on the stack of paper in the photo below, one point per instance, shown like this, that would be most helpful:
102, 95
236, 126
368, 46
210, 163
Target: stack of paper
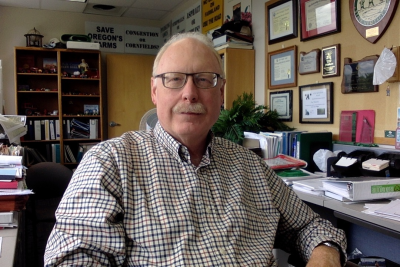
375, 164
390, 210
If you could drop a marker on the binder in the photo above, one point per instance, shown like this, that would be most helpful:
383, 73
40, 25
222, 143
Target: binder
52, 130
93, 128
364, 188
38, 130
57, 127
310, 142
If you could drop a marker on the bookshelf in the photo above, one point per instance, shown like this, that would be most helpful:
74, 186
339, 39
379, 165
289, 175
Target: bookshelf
59, 87
239, 66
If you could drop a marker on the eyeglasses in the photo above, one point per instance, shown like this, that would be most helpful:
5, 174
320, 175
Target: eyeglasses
176, 80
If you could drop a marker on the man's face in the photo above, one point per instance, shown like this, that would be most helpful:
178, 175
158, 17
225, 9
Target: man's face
187, 56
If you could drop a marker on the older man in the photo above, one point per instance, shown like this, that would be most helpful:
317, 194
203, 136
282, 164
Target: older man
177, 195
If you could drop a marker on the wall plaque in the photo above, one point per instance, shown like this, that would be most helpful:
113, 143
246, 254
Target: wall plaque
358, 75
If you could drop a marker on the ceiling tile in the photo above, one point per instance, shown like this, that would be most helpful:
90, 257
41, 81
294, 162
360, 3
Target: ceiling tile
21, 3
144, 13
63, 6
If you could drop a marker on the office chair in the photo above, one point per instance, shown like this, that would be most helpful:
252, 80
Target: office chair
48, 181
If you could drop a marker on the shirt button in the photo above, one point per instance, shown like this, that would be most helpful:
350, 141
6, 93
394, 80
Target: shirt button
223, 251
208, 210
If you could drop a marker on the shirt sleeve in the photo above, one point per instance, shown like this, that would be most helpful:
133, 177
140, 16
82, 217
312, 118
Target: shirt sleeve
300, 229
89, 229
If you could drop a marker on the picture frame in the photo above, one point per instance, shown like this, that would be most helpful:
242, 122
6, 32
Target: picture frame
282, 67
358, 75
281, 20
316, 103
282, 103
330, 61
309, 62
318, 18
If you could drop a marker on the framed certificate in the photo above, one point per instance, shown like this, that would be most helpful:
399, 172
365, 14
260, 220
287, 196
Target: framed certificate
319, 18
282, 103
316, 103
282, 66
281, 20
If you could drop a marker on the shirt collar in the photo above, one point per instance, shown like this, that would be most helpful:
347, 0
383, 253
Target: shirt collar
176, 149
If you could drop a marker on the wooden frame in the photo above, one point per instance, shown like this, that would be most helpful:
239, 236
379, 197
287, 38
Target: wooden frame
358, 75
330, 61
317, 19
371, 21
309, 62
316, 103
282, 102
282, 67
281, 20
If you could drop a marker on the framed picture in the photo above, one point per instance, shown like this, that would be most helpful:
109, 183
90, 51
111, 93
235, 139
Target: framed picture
330, 61
281, 20
309, 62
282, 67
319, 18
358, 75
282, 103
316, 103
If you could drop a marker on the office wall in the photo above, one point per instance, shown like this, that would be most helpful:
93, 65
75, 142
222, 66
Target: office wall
15, 22
355, 47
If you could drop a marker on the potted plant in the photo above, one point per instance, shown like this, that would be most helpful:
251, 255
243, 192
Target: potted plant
246, 116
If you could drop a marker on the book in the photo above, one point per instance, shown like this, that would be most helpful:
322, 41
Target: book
233, 45
224, 39
9, 185
364, 188
8, 174
56, 153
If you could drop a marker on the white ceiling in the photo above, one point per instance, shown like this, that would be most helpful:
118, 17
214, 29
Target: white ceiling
139, 9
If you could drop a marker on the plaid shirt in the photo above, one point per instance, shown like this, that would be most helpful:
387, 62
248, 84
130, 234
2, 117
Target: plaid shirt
137, 200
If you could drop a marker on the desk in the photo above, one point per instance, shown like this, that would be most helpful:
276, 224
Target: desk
8, 246
383, 240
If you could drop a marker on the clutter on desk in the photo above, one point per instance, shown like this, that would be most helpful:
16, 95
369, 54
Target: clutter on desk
389, 210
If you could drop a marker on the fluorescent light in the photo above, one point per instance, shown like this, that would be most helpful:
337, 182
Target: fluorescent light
80, 1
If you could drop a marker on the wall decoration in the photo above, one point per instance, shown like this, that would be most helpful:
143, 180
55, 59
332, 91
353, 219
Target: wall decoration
309, 62
282, 66
282, 102
372, 19
358, 75
316, 103
211, 14
281, 20
319, 18
330, 61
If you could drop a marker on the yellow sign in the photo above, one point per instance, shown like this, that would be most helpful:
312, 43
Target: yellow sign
212, 14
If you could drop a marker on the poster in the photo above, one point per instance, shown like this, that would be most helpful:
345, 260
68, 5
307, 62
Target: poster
212, 11
237, 10
193, 18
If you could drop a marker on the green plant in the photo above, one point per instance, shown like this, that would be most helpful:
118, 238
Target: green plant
246, 116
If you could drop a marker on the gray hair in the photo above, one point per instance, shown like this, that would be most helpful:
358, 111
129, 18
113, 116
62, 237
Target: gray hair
194, 35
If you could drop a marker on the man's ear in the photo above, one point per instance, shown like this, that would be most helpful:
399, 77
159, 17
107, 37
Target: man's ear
153, 90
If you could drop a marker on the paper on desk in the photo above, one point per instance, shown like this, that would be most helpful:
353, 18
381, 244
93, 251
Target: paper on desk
389, 210
345, 162
14, 127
